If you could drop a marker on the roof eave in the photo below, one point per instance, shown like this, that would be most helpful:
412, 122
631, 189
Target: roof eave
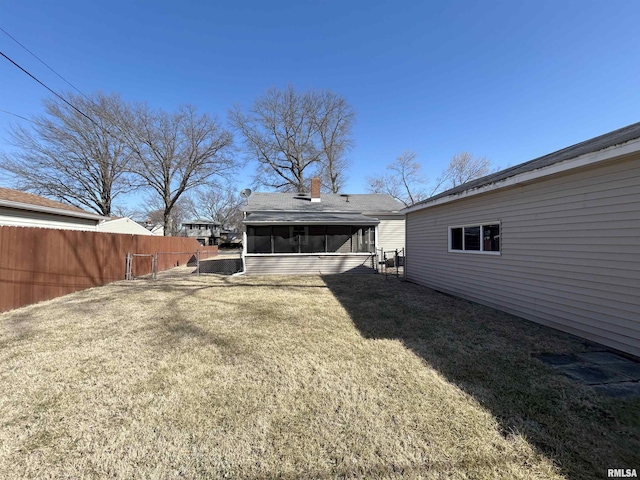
318, 222
53, 211
586, 159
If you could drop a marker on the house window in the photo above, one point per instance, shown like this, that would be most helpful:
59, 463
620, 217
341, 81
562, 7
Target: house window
339, 238
484, 238
284, 240
364, 239
300, 235
259, 240
315, 240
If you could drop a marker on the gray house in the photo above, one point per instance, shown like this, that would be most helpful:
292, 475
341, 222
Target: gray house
289, 233
555, 240
207, 232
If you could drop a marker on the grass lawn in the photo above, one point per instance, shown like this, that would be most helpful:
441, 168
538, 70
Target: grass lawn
295, 377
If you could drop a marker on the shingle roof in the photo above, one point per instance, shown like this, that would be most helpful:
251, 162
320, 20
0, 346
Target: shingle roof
310, 218
30, 199
330, 202
592, 145
201, 221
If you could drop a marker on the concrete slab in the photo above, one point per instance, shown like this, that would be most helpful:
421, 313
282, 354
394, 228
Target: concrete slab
620, 390
605, 358
592, 375
558, 359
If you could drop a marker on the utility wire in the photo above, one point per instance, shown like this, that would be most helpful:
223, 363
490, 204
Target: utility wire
42, 61
16, 115
51, 68
56, 93
52, 91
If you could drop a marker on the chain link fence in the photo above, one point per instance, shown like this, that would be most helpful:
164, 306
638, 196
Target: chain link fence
391, 262
147, 265
226, 263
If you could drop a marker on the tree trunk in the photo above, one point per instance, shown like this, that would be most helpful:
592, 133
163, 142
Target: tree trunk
168, 223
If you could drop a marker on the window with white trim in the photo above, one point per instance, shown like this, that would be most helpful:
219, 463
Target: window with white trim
478, 238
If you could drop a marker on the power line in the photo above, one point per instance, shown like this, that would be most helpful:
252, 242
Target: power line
101, 127
42, 61
16, 115
55, 93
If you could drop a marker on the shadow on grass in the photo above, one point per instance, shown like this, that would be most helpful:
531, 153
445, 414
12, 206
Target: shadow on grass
182, 322
490, 355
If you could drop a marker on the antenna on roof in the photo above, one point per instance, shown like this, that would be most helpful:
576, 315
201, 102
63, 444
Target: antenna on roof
246, 192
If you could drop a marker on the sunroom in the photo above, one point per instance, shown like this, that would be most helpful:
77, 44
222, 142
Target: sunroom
304, 243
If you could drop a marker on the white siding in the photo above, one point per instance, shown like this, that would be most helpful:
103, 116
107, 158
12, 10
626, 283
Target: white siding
570, 253
391, 232
123, 225
22, 218
311, 264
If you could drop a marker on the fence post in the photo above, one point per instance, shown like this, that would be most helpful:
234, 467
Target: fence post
154, 265
395, 261
404, 264
127, 272
198, 263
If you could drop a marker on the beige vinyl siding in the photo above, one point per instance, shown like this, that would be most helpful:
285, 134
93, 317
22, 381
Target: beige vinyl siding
570, 252
391, 232
307, 264
23, 218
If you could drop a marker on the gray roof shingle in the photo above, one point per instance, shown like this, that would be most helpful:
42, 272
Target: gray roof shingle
330, 202
31, 199
617, 137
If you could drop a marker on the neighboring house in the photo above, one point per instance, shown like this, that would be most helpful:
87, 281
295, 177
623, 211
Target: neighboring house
27, 210
555, 240
288, 233
207, 232
122, 225
155, 228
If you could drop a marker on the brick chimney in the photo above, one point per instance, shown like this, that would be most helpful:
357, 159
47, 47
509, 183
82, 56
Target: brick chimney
315, 189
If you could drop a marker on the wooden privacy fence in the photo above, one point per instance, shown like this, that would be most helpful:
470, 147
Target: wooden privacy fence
38, 264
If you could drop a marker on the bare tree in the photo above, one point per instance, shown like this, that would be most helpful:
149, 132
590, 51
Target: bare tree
293, 136
462, 168
218, 203
405, 181
154, 213
128, 211
175, 152
77, 159
334, 121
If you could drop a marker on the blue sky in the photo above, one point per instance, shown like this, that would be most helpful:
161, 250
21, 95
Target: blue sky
509, 80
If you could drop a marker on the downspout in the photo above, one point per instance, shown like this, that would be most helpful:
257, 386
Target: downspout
376, 260
244, 247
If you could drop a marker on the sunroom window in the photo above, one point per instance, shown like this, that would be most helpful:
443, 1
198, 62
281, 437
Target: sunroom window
310, 239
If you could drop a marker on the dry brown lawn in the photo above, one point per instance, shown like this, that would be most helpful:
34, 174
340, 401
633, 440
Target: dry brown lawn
294, 377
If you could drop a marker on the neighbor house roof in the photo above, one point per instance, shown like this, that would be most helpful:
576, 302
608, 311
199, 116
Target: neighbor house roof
26, 201
329, 203
543, 165
18, 196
